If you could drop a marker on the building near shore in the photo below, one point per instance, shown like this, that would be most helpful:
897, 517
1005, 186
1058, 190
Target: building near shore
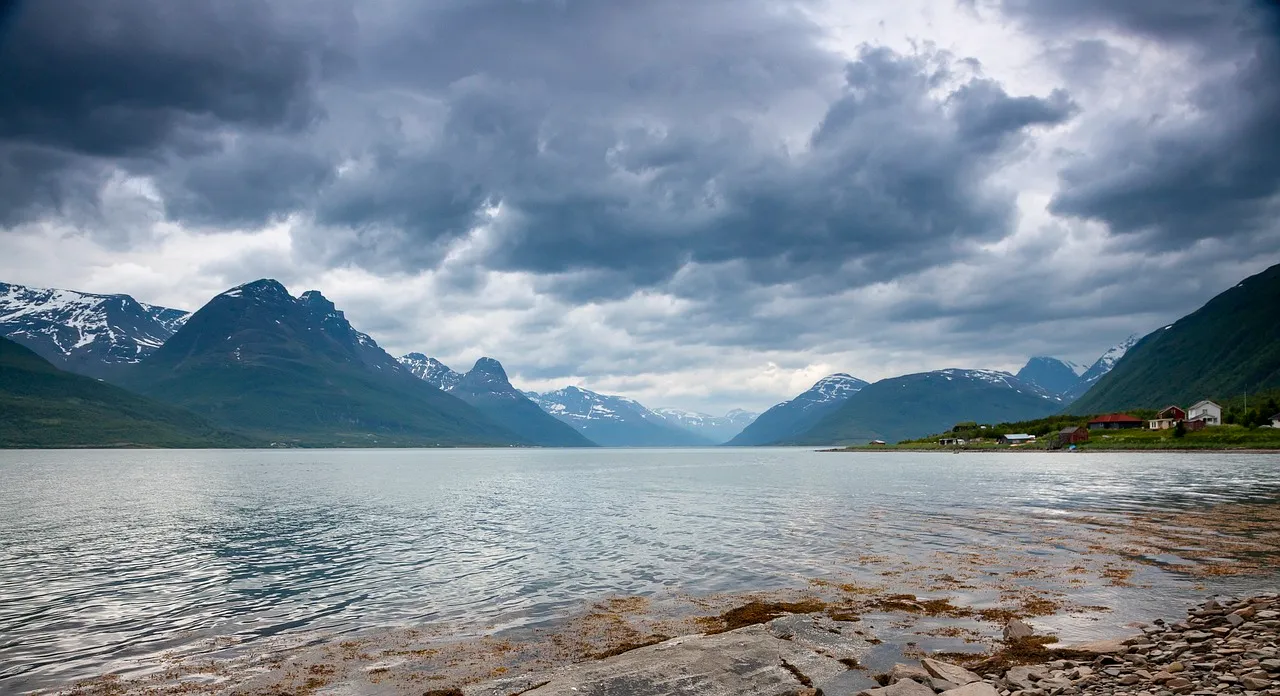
1275, 420
1073, 435
1116, 421
1016, 439
1167, 418
1206, 410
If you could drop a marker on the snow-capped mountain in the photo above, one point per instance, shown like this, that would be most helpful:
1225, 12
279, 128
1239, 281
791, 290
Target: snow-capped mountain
431, 370
614, 421
791, 418
920, 404
486, 387
714, 428
1101, 367
84, 332
1054, 375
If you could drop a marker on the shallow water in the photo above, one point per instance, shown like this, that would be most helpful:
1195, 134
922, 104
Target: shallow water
110, 555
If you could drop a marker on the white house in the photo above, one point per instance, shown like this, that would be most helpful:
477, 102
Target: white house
1207, 411
1275, 421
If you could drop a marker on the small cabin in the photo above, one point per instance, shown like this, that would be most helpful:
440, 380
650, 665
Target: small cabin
1016, 439
1275, 421
1116, 421
1073, 435
952, 442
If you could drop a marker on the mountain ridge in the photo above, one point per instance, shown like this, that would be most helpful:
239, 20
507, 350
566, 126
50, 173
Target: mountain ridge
790, 418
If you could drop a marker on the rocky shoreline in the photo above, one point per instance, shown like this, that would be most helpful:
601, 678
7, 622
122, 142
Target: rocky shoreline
1224, 646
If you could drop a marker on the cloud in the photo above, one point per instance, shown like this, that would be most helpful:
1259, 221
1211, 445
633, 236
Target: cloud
1207, 166
703, 204
93, 85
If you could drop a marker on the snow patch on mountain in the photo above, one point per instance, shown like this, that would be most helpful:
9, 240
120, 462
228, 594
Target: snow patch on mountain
432, 371
85, 331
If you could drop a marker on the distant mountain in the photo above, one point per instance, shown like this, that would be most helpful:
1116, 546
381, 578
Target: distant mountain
43, 406
911, 406
294, 370
1100, 368
1051, 374
487, 388
615, 421
717, 429
434, 372
790, 419
1229, 345
82, 332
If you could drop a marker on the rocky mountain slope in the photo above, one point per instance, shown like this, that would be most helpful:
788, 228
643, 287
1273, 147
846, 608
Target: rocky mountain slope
1051, 374
487, 388
83, 332
1104, 364
263, 362
1229, 345
790, 419
916, 405
717, 429
615, 421
43, 406
434, 372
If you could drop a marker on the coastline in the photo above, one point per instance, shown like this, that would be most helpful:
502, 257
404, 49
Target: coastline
861, 449
953, 608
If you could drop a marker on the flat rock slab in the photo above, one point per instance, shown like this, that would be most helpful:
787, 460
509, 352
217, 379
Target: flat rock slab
974, 689
906, 687
749, 660
956, 675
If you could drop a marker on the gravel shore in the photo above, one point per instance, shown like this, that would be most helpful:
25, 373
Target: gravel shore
1224, 646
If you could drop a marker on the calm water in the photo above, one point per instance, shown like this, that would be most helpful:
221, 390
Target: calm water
110, 555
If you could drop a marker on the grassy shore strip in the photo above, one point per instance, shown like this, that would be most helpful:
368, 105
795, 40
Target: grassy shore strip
1229, 438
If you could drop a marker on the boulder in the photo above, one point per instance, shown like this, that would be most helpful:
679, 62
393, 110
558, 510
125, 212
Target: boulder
951, 673
1017, 629
901, 671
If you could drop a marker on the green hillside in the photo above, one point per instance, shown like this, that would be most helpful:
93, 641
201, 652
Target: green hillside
911, 406
42, 406
1228, 346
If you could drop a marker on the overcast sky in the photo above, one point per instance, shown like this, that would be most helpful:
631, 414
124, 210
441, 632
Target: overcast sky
705, 204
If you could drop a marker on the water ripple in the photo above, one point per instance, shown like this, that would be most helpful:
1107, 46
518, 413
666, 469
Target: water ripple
106, 556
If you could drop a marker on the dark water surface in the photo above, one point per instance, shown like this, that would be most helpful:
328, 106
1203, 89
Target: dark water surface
109, 555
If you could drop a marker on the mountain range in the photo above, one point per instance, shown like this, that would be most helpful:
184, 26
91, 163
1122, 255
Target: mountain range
790, 419
267, 366
260, 361
42, 405
487, 388
615, 421
718, 429
915, 405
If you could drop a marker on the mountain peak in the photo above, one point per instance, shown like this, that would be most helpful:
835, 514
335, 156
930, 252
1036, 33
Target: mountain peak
487, 375
263, 288
431, 371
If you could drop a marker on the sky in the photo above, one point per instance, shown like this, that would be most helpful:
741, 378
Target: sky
706, 205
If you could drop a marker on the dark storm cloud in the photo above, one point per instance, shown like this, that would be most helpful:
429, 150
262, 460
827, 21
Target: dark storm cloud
1215, 173
607, 193
129, 82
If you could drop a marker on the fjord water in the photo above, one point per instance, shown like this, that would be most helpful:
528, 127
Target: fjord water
106, 556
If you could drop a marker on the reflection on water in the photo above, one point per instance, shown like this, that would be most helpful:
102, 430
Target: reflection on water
111, 555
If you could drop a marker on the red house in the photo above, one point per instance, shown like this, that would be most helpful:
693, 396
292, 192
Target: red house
1073, 435
1168, 418
1116, 421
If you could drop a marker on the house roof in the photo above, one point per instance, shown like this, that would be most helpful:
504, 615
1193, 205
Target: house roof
1068, 431
1019, 436
1275, 417
1167, 409
1202, 403
1116, 418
